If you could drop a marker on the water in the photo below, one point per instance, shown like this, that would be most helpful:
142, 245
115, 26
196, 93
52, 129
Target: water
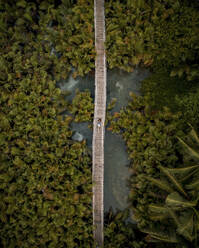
116, 172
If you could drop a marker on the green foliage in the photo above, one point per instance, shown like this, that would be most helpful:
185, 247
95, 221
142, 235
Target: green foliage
182, 205
149, 33
153, 33
29, 31
112, 103
120, 233
45, 176
164, 185
73, 37
177, 94
164, 90
82, 107
151, 138
189, 105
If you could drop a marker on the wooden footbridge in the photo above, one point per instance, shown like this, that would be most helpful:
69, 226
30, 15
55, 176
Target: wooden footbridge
98, 124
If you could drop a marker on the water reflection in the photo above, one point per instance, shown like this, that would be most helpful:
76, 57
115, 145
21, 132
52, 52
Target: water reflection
116, 173
120, 83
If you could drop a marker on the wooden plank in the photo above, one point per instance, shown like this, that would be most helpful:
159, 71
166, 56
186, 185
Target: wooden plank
98, 132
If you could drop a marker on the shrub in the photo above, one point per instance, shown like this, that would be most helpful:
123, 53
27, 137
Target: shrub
45, 177
154, 34
189, 106
177, 94
151, 138
181, 202
82, 107
163, 89
120, 233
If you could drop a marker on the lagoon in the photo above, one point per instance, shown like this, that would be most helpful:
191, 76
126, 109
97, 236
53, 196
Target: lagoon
116, 173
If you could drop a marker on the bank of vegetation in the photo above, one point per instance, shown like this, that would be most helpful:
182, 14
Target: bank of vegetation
160, 127
45, 176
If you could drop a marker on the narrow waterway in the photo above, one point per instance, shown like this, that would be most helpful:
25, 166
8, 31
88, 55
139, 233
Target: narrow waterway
116, 173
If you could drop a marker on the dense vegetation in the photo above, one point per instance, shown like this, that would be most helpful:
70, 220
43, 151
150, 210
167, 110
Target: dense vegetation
45, 176
120, 233
155, 33
160, 35
151, 138
82, 107
176, 93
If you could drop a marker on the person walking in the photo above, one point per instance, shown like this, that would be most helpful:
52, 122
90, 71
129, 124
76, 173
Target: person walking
99, 123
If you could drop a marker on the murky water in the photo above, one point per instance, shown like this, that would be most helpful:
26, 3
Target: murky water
116, 173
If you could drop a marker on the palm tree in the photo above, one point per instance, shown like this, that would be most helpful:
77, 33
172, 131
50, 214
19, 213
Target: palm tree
181, 204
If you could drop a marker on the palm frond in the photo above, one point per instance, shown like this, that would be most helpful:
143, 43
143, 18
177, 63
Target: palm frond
187, 226
193, 134
162, 184
176, 200
186, 177
165, 236
193, 185
173, 179
183, 170
191, 151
